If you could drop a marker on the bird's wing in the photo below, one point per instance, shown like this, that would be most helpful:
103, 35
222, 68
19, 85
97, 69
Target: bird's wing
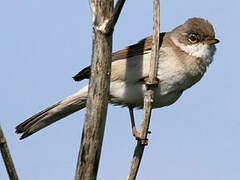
139, 49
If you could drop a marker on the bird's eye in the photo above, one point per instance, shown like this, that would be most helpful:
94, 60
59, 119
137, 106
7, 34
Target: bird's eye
193, 38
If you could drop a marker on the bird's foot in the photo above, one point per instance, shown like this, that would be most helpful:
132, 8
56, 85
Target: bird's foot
155, 81
136, 134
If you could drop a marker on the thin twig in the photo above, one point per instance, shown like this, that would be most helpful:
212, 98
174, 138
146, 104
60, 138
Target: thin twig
155, 43
7, 157
149, 95
107, 26
139, 149
113, 20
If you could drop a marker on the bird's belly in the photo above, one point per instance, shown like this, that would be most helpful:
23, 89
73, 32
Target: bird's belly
122, 93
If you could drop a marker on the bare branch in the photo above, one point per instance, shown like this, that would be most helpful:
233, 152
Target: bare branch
149, 95
7, 157
108, 25
139, 149
113, 20
94, 125
93, 8
155, 43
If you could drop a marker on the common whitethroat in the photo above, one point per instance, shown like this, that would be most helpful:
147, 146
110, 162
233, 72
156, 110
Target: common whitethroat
185, 54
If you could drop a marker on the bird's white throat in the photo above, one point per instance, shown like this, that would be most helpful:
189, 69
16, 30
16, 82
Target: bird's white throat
200, 50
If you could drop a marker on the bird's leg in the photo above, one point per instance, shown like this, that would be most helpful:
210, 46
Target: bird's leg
135, 133
155, 81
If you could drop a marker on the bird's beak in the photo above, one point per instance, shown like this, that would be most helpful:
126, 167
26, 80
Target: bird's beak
212, 41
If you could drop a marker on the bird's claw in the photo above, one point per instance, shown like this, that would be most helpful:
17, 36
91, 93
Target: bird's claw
154, 83
143, 141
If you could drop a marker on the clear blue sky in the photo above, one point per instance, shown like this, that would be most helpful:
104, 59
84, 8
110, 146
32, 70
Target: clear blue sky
44, 43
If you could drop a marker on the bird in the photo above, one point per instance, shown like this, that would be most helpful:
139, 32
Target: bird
184, 56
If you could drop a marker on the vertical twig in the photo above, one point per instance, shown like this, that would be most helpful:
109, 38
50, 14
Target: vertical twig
149, 95
7, 157
103, 19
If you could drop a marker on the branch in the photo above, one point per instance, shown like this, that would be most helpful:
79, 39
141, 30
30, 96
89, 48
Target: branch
108, 25
94, 125
149, 95
113, 20
155, 44
139, 149
7, 157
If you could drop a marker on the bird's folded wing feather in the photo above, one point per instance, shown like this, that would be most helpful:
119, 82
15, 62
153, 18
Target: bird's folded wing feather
121, 57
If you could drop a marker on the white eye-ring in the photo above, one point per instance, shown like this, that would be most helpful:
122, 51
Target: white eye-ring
193, 38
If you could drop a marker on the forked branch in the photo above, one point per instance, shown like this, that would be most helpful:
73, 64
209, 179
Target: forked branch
107, 26
103, 20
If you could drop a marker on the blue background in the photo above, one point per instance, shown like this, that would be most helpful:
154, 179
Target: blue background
44, 43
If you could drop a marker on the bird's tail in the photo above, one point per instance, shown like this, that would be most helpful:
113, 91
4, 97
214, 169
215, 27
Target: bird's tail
54, 113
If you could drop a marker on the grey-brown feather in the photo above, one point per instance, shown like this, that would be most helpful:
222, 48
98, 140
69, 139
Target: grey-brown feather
24, 125
140, 48
52, 114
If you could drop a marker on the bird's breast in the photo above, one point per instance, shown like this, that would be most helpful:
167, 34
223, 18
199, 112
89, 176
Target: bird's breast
177, 74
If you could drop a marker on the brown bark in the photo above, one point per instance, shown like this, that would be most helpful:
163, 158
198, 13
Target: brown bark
7, 157
149, 95
103, 19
